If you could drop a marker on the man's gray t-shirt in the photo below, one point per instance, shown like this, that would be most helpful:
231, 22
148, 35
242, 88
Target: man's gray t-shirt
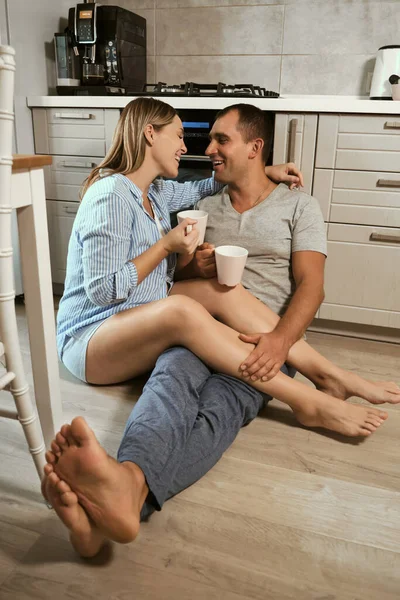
285, 222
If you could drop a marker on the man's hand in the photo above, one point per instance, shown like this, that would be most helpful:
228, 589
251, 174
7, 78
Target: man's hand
287, 173
204, 261
267, 357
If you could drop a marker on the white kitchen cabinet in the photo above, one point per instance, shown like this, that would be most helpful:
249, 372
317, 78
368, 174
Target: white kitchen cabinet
60, 219
77, 139
357, 181
294, 141
361, 276
350, 162
65, 176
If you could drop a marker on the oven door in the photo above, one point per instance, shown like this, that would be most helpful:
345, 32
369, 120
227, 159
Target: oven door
196, 124
195, 164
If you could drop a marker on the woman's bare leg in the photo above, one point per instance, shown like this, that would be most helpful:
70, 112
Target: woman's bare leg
243, 312
130, 342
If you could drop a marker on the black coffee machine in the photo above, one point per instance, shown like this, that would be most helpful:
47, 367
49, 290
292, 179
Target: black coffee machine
106, 45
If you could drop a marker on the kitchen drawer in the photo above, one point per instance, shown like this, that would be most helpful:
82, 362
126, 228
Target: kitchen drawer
75, 116
77, 147
77, 131
65, 176
361, 283
354, 143
389, 124
73, 131
367, 160
377, 202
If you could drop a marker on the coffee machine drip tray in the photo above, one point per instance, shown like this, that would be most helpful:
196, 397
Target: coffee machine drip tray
90, 90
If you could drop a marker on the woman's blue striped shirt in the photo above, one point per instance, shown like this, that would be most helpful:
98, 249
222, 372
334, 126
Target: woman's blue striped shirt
111, 228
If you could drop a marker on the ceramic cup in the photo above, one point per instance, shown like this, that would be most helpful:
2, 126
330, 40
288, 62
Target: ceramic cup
230, 261
201, 218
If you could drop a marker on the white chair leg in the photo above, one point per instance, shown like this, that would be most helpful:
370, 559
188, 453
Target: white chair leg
8, 320
20, 390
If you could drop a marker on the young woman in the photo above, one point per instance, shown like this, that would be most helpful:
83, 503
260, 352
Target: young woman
121, 309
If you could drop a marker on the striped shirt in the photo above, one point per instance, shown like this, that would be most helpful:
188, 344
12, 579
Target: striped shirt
111, 228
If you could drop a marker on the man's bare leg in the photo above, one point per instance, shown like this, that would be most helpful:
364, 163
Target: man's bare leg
112, 494
85, 537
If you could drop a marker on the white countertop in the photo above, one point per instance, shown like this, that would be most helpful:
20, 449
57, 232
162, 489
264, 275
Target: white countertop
320, 104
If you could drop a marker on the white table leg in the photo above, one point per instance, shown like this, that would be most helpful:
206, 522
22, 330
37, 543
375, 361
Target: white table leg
35, 258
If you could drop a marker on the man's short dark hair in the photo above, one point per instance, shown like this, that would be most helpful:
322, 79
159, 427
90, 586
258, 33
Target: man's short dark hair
253, 123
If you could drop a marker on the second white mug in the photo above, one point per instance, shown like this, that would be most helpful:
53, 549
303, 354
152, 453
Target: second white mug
230, 261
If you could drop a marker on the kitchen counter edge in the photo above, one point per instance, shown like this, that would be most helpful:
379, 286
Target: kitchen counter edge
304, 104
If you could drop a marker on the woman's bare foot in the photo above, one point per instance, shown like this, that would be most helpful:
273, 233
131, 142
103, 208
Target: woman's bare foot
348, 419
344, 384
111, 493
84, 535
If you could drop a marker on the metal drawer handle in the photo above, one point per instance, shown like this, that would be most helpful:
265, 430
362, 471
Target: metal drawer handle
388, 182
382, 237
392, 125
71, 211
86, 116
80, 165
292, 139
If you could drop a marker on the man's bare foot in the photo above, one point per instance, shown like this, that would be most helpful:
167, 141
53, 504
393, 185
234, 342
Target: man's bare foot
344, 384
111, 493
84, 535
348, 419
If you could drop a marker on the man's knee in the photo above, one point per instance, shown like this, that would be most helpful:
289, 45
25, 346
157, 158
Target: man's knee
181, 361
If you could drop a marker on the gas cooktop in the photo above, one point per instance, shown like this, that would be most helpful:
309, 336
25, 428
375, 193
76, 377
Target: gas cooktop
239, 90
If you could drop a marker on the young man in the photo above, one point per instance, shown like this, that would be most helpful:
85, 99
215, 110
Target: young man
187, 417
283, 231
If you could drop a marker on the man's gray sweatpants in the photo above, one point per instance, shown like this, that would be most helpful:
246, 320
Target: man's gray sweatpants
185, 419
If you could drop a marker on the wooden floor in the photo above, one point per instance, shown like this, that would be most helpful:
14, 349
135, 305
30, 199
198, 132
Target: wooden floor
287, 513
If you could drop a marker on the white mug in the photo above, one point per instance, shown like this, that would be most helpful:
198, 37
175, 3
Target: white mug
230, 261
200, 216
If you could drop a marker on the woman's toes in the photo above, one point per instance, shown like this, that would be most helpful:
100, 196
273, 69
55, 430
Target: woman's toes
51, 457
381, 414
61, 441
365, 432
369, 427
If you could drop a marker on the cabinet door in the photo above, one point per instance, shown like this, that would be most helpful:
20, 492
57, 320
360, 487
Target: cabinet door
361, 275
61, 216
294, 141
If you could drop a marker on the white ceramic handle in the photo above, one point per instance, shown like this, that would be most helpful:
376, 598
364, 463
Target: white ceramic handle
189, 229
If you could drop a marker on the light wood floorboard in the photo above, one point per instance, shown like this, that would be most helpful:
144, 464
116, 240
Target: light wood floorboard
287, 513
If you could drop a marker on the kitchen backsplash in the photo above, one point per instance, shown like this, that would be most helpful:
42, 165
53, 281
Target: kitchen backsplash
290, 46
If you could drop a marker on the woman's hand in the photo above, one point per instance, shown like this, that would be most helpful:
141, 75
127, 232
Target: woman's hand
179, 240
287, 173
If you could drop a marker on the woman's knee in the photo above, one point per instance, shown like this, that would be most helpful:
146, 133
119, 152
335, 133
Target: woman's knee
182, 311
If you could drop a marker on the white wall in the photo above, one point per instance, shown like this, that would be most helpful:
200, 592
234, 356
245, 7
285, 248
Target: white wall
3, 23
290, 46
31, 26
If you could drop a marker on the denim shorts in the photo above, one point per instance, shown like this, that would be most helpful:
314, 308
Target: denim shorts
74, 351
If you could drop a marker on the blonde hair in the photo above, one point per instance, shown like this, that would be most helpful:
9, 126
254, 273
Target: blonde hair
128, 147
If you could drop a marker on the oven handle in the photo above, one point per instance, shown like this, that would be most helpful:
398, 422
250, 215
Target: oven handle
196, 157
